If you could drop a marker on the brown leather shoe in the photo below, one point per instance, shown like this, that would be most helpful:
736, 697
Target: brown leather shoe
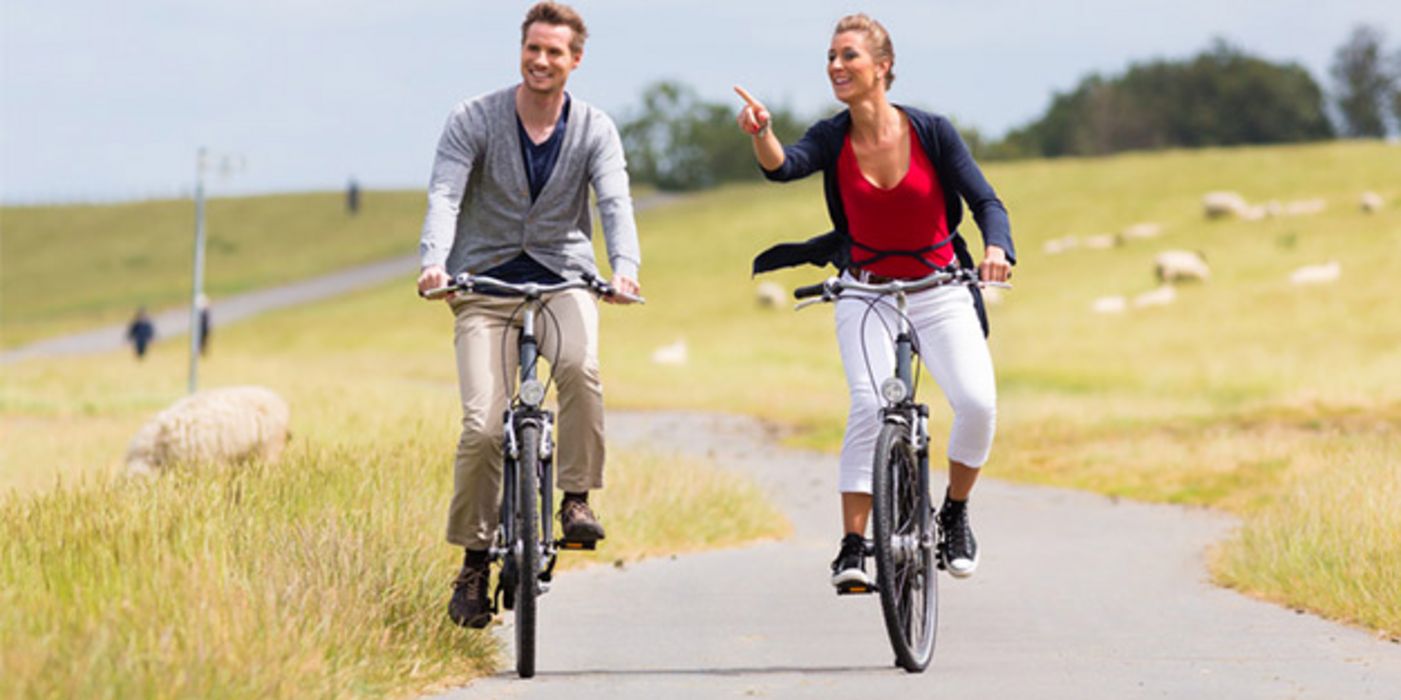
577, 521
470, 605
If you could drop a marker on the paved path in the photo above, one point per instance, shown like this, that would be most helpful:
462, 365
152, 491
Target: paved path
1077, 596
176, 322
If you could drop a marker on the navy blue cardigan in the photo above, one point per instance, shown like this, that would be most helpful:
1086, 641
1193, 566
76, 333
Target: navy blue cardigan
958, 173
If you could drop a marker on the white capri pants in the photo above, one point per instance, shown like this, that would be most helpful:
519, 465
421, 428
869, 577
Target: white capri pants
949, 340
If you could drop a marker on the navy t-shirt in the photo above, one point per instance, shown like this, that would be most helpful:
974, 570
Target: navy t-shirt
539, 161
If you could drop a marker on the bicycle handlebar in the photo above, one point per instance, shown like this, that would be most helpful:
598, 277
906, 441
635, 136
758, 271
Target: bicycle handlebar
833, 287
469, 283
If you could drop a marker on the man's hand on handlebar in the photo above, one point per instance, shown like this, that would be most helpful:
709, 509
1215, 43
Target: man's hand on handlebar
432, 277
626, 288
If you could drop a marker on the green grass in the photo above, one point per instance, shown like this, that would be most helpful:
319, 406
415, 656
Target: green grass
68, 268
325, 575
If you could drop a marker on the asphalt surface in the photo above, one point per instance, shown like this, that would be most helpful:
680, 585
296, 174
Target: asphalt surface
1076, 596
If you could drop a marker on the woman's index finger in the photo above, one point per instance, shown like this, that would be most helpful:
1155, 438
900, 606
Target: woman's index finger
748, 98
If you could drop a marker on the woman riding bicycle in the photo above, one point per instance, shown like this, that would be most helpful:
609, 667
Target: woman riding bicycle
894, 177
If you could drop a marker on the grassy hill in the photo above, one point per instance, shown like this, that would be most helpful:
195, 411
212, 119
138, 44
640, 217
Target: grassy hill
1279, 403
69, 268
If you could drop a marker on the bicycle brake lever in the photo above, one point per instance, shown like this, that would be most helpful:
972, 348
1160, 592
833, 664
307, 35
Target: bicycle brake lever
808, 302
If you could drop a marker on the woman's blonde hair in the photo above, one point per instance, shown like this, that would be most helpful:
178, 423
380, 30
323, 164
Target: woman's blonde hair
876, 38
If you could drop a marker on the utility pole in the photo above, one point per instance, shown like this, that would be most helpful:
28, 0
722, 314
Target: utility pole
197, 288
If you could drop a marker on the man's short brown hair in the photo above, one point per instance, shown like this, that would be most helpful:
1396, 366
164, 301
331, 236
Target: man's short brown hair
557, 14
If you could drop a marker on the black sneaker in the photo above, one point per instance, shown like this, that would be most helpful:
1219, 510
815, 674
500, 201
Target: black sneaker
958, 548
849, 568
470, 605
577, 521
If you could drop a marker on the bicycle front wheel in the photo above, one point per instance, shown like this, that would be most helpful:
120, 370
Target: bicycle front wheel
904, 548
527, 546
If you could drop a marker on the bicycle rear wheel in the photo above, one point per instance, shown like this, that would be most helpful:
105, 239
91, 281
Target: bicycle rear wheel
904, 549
527, 547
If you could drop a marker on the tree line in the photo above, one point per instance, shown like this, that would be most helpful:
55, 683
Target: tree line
1223, 96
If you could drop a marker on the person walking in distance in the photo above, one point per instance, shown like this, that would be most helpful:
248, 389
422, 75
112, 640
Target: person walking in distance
140, 332
509, 198
895, 179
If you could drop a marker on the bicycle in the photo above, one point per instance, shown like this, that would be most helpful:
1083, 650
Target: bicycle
525, 543
906, 545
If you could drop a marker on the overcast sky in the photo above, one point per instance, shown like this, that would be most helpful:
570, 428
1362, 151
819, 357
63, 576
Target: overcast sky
110, 100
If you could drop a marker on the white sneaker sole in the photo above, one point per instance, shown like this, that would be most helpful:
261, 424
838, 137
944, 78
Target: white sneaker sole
961, 568
851, 576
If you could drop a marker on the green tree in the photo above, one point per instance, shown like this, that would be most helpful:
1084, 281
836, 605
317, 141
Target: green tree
677, 141
1222, 96
1362, 83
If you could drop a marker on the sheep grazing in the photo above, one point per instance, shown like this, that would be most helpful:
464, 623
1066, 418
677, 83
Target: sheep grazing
1146, 229
770, 295
1302, 207
674, 354
1316, 274
1181, 266
1371, 202
1220, 205
217, 426
1162, 296
1103, 241
1056, 246
1109, 305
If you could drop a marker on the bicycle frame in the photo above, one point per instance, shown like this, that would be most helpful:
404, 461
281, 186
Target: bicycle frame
521, 411
912, 414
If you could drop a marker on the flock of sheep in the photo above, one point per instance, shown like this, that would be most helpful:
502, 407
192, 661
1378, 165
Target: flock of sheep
237, 424
1172, 267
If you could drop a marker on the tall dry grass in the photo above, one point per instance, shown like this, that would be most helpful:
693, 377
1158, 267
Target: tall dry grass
1329, 543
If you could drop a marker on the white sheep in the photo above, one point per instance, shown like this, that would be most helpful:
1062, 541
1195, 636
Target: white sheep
770, 295
1371, 202
1146, 229
216, 426
1316, 274
674, 355
1303, 207
1109, 305
1101, 241
1162, 296
1056, 246
1181, 265
1219, 205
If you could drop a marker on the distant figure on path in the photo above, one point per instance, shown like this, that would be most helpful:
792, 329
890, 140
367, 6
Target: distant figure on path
141, 332
202, 302
895, 181
352, 197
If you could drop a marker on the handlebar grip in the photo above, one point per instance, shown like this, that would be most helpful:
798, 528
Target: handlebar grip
811, 290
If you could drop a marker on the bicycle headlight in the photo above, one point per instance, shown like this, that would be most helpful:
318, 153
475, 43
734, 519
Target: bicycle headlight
532, 392
893, 390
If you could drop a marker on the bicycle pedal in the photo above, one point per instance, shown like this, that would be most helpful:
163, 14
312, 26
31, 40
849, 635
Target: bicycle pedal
856, 588
578, 545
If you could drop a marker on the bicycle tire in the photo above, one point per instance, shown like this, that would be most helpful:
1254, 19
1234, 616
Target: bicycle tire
527, 547
904, 549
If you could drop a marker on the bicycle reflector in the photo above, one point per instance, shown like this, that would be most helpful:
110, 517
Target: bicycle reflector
893, 390
532, 392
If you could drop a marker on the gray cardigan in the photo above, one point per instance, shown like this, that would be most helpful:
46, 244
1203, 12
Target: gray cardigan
479, 209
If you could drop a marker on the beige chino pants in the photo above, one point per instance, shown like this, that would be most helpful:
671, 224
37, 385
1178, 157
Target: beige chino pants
487, 358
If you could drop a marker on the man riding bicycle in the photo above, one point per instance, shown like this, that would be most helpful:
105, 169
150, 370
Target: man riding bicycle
508, 199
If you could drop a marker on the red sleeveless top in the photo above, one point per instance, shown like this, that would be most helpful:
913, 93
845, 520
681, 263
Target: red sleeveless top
909, 218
